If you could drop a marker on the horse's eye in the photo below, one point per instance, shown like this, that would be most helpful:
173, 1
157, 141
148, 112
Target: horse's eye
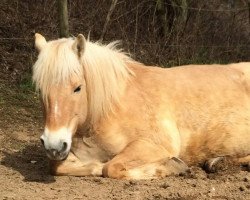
78, 89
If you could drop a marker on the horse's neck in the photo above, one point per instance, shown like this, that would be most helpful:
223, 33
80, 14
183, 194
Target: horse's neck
134, 93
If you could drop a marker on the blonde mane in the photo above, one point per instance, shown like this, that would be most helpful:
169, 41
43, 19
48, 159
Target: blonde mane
103, 67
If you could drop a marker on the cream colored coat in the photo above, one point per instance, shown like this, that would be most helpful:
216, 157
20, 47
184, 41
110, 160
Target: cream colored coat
153, 123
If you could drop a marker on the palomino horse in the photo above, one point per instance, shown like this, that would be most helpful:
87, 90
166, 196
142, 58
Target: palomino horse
108, 115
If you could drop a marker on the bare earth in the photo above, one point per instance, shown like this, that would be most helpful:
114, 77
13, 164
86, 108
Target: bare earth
24, 166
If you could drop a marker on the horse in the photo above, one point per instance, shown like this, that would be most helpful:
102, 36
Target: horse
108, 115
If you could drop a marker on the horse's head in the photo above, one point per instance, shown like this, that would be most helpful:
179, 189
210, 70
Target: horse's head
58, 74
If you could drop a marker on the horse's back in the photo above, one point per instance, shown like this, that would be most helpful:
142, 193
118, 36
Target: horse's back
210, 106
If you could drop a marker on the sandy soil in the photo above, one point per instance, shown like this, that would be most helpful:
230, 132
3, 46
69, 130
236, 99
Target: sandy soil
24, 167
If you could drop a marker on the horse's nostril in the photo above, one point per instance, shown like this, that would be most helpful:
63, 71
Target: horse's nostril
65, 145
42, 141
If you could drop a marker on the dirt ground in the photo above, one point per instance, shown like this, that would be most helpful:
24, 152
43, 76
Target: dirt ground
24, 166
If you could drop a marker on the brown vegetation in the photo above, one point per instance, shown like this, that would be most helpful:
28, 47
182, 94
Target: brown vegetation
170, 32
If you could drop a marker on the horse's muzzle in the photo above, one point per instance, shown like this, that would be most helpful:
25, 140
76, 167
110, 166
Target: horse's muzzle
55, 155
59, 153
57, 143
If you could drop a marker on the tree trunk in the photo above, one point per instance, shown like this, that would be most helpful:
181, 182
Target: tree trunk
162, 14
63, 18
184, 11
248, 4
181, 11
172, 15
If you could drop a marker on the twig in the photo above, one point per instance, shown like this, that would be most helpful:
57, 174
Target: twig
111, 9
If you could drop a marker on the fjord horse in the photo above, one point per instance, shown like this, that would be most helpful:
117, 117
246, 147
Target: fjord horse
108, 115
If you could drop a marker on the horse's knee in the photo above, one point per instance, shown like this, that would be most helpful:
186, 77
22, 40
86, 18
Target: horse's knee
114, 170
57, 168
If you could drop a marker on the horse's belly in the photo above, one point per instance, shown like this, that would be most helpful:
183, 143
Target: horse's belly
225, 134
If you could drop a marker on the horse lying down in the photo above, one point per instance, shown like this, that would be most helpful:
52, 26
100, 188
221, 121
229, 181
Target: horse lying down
108, 115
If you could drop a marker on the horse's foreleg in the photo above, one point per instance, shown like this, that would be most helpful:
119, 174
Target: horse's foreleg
143, 159
158, 169
72, 166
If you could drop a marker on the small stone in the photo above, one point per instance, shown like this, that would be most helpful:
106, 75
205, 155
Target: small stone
157, 196
165, 186
97, 180
242, 188
33, 161
245, 179
212, 190
131, 182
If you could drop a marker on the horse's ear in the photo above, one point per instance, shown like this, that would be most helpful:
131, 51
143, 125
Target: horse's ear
40, 41
79, 45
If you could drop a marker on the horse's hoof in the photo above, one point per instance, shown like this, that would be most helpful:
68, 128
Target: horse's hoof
210, 166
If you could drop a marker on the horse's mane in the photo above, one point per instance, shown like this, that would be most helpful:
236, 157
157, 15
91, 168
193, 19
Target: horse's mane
104, 68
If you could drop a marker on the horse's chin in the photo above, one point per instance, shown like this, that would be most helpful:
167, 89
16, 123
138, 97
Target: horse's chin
62, 157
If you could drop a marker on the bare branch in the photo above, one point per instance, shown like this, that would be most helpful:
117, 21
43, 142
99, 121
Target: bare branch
111, 10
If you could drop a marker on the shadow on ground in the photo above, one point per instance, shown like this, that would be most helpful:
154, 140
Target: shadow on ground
31, 162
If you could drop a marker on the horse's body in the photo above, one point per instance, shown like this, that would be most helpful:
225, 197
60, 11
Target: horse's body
152, 120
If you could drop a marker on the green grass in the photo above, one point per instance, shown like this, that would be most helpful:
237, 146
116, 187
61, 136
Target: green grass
26, 84
19, 95
2, 101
